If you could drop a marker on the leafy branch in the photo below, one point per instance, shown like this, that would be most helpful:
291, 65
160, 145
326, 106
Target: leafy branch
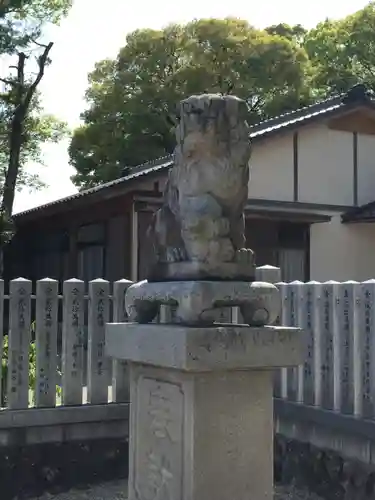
23, 94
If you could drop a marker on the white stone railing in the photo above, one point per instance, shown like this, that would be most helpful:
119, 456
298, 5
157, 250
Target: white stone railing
81, 315
338, 374
339, 371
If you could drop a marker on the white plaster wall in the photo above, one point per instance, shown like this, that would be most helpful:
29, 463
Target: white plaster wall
325, 165
366, 168
342, 252
271, 169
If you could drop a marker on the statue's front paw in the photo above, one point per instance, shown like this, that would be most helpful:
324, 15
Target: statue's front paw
245, 257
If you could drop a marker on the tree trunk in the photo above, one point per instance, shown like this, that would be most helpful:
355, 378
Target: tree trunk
23, 94
15, 145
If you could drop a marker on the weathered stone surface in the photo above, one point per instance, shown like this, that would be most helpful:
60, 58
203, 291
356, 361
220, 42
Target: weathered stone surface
198, 301
200, 436
229, 347
199, 231
201, 423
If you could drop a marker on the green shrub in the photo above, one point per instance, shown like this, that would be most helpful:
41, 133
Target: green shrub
32, 370
4, 368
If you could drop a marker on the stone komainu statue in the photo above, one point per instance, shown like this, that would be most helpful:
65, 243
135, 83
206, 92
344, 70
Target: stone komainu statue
198, 233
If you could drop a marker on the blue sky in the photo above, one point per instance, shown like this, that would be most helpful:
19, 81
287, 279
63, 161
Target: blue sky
96, 30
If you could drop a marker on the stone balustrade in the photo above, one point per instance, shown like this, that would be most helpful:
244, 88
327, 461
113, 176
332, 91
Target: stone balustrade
336, 375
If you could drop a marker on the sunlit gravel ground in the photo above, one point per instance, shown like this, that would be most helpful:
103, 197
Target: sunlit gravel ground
116, 490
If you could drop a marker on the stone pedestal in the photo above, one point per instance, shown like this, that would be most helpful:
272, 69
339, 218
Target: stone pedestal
198, 301
201, 424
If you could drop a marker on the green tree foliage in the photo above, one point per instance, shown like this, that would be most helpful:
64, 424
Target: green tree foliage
21, 21
40, 128
132, 99
21, 26
23, 127
4, 363
4, 371
342, 52
295, 33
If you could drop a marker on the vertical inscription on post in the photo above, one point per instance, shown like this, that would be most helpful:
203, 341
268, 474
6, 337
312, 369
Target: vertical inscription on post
346, 327
46, 342
327, 346
19, 343
159, 440
307, 324
98, 367
293, 297
73, 339
368, 348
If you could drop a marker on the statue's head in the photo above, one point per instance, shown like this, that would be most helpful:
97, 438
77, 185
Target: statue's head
212, 125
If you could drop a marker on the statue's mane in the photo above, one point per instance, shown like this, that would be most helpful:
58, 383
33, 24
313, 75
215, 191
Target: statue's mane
201, 219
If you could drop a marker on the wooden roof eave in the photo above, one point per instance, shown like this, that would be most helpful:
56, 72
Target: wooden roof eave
86, 200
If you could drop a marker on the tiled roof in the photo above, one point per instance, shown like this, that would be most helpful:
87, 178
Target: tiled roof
137, 172
295, 118
356, 96
364, 213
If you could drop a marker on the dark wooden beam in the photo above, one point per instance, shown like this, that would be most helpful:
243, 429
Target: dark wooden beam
295, 166
308, 217
355, 168
300, 206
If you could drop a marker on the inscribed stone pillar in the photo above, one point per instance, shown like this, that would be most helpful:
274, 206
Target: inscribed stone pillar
201, 423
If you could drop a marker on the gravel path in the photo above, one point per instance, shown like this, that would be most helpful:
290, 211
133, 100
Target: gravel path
116, 490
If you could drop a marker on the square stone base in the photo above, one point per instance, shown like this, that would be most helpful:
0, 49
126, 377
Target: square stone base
200, 436
201, 419
220, 347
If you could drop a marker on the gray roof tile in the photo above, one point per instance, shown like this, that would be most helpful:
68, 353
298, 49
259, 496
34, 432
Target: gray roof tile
355, 96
